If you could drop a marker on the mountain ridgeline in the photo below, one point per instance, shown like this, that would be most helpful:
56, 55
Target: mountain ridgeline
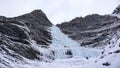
93, 30
17, 35
29, 36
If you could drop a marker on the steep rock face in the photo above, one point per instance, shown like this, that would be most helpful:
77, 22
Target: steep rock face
117, 10
92, 30
17, 35
37, 23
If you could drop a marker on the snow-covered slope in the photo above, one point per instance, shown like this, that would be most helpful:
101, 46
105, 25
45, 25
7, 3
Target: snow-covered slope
60, 45
79, 57
109, 58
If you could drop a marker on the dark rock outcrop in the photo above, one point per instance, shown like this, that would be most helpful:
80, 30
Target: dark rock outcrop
106, 64
117, 10
69, 53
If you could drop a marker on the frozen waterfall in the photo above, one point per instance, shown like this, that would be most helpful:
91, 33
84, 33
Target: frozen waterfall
64, 47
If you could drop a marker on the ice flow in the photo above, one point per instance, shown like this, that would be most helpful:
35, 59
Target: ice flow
64, 47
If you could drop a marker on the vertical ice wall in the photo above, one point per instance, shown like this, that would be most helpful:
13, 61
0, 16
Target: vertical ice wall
65, 47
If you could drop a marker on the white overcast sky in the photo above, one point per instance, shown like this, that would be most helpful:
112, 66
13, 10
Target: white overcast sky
58, 10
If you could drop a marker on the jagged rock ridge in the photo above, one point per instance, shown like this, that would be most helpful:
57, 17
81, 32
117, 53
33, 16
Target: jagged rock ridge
116, 12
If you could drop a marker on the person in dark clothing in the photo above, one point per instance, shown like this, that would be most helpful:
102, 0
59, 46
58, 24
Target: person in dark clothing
87, 57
